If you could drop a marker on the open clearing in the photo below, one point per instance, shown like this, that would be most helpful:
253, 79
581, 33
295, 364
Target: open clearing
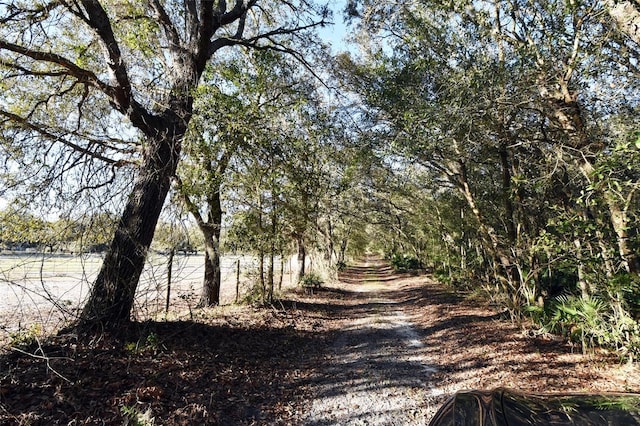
49, 289
375, 348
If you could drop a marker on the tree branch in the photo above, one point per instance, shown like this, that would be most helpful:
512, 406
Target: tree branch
99, 21
167, 24
83, 75
48, 135
191, 205
18, 13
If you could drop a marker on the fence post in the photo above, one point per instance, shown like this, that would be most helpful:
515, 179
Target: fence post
237, 280
169, 273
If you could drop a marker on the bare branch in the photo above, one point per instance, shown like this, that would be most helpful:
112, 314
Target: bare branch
239, 9
46, 134
37, 14
27, 71
83, 75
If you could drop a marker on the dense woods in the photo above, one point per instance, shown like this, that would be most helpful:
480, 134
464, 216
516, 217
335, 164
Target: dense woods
495, 144
517, 124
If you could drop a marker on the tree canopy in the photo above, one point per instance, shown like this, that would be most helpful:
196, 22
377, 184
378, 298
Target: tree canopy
107, 85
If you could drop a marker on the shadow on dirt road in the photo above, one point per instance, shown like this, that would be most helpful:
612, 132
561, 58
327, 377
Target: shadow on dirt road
376, 371
375, 348
401, 344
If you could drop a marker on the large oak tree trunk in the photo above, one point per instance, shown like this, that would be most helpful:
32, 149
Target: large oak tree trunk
112, 296
184, 41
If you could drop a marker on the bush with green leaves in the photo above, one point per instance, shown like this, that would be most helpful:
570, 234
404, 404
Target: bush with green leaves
405, 263
311, 280
581, 320
594, 321
627, 287
150, 344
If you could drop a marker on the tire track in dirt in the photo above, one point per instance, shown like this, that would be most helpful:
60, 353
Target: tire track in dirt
377, 371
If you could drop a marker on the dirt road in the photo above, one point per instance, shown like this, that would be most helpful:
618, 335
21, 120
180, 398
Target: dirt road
375, 348
404, 343
377, 371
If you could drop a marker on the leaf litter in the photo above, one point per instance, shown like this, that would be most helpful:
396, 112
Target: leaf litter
374, 348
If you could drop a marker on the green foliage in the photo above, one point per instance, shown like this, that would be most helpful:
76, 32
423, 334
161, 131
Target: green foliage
151, 343
135, 417
405, 263
20, 228
254, 296
25, 337
628, 287
311, 280
591, 321
580, 319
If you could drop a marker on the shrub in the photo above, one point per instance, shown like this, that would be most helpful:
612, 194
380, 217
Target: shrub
405, 263
25, 337
311, 280
580, 319
591, 322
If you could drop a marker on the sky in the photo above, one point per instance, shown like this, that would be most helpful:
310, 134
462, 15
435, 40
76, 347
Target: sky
335, 34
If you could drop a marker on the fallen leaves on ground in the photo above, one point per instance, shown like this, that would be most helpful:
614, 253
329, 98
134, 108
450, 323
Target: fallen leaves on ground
240, 365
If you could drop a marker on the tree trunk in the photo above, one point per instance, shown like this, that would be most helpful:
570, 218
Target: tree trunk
302, 258
262, 280
342, 255
506, 195
328, 237
271, 275
583, 285
570, 117
463, 238
457, 174
281, 273
212, 279
172, 254
620, 222
112, 295
626, 13
237, 280
212, 272
272, 248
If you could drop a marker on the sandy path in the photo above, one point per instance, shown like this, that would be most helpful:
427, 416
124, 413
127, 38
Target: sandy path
377, 371
400, 345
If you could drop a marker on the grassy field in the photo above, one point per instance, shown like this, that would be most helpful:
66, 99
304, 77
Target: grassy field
49, 289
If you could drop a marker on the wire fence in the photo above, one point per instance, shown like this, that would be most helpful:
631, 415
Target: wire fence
47, 291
